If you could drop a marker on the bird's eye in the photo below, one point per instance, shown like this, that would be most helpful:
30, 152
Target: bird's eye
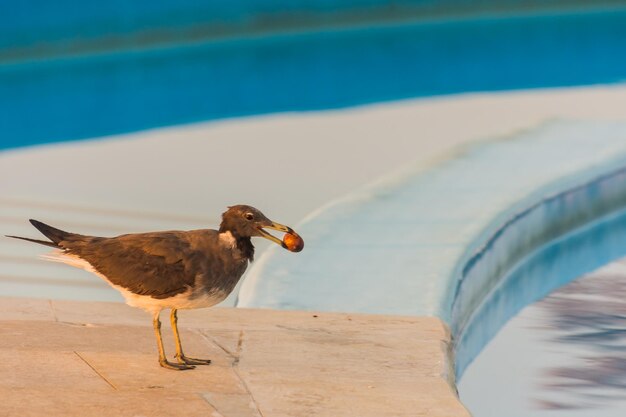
249, 216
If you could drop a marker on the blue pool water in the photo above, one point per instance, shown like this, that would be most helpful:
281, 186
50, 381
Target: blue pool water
75, 96
568, 350
543, 271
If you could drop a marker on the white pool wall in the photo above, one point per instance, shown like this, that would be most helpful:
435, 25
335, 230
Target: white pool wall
335, 153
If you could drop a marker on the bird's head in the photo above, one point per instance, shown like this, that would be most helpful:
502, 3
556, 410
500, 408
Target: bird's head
246, 221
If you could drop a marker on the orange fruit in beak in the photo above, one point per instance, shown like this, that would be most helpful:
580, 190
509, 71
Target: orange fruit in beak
293, 242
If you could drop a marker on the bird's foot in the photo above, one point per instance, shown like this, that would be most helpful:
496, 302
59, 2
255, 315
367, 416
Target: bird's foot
176, 366
191, 361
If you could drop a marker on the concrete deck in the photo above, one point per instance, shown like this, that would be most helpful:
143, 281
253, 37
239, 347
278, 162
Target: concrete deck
77, 358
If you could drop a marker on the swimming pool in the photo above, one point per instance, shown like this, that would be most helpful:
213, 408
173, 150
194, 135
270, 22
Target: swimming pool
69, 93
80, 96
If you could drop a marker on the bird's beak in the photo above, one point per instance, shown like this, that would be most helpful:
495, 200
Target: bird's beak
275, 226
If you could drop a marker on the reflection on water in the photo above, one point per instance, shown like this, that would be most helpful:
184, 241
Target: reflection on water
588, 315
562, 356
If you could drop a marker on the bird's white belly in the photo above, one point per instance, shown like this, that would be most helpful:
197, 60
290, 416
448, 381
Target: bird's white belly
183, 300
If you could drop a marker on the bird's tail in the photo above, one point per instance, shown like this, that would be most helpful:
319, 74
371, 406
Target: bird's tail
55, 235
41, 242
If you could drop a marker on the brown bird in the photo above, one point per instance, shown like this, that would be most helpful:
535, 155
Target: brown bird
172, 269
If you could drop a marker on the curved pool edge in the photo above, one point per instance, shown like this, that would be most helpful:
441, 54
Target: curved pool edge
560, 217
590, 184
558, 208
369, 241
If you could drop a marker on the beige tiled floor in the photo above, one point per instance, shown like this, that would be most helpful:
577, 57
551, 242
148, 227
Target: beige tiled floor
77, 359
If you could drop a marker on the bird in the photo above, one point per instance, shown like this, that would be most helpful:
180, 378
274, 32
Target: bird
172, 270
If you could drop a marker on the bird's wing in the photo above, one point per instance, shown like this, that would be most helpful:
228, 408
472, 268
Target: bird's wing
154, 264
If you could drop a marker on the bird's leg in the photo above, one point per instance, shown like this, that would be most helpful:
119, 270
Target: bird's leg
180, 356
162, 359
